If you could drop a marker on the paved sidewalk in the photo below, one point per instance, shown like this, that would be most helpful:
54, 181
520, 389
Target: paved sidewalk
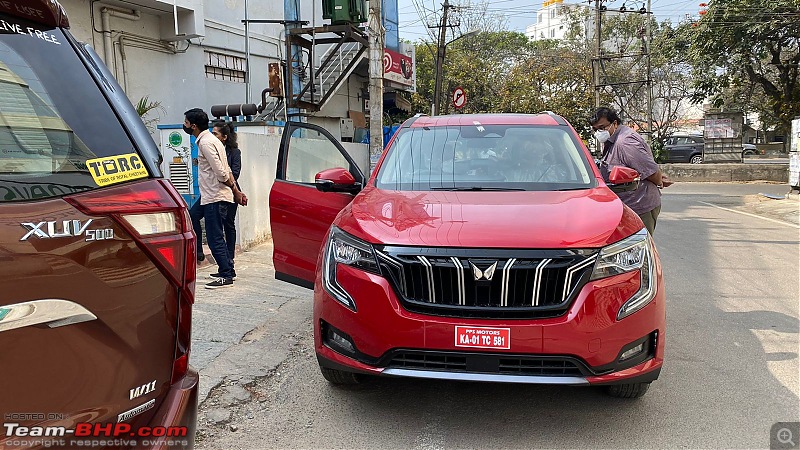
786, 209
258, 312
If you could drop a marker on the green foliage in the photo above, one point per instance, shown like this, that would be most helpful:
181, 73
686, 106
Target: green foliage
144, 107
659, 150
505, 72
746, 57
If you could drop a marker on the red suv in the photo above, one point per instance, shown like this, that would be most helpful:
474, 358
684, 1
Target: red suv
97, 254
482, 248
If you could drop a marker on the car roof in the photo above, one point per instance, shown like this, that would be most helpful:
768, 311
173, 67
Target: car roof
46, 12
486, 119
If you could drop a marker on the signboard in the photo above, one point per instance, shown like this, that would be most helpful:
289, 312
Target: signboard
459, 98
719, 129
398, 68
275, 82
794, 155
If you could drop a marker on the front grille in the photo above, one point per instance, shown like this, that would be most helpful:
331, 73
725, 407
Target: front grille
555, 366
487, 283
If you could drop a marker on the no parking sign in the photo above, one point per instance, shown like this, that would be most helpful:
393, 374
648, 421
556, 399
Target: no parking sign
459, 98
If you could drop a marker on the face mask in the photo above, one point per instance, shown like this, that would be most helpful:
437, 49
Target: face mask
187, 130
602, 135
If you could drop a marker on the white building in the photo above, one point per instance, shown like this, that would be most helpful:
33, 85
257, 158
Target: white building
552, 22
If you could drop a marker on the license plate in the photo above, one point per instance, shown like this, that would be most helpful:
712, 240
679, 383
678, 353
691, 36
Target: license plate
483, 337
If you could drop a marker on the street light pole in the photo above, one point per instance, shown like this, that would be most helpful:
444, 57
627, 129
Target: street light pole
376, 36
597, 62
441, 49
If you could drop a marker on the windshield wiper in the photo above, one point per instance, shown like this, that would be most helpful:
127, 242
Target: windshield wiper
476, 188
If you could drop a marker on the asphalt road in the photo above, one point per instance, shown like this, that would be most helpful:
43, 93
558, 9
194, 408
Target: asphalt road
731, 367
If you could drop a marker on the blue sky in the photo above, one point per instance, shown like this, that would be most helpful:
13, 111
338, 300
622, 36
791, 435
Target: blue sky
415, 13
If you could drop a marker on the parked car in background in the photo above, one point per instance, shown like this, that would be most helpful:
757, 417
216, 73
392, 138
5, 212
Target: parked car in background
688, 148
684, 148
98, 252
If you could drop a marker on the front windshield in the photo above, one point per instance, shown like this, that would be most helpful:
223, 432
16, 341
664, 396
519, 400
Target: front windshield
485, 157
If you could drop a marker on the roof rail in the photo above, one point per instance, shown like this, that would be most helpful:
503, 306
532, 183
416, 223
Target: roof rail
559, 120
413, 119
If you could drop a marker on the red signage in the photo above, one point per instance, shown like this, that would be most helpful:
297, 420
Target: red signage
459, 98
398, 67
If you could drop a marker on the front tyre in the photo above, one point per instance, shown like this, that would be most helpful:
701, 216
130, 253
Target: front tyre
632, 390
696, 159
338, 376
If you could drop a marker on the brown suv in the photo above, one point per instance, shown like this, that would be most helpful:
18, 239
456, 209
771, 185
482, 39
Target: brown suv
96, 251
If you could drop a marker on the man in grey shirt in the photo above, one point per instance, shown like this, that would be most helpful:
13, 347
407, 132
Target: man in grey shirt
624, 147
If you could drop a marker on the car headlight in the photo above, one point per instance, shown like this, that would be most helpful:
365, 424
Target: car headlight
629, 254
343, 248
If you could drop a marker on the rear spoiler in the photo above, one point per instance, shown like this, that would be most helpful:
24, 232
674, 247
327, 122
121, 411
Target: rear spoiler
45, 12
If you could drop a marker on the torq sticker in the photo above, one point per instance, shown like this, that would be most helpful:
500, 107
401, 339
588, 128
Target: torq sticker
116, 169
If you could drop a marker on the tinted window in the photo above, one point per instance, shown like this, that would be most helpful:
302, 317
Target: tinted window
485, 156
56, 127
309, 153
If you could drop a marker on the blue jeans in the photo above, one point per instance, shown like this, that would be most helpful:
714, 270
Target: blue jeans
230, 228
215, 235
196, 213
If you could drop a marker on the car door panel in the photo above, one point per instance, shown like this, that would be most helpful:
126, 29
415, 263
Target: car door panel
300, 215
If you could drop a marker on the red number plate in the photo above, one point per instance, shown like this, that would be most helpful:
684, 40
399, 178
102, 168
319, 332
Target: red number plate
483, 337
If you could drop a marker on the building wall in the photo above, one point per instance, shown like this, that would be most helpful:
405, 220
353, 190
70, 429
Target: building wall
174, 74
260, 147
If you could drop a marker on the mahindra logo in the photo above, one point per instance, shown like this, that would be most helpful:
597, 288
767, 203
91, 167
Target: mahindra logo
485, 274
49, 230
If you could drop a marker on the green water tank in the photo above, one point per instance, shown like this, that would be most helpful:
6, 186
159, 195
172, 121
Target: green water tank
342, 12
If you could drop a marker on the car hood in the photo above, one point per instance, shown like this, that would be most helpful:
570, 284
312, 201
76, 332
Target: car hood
588, 218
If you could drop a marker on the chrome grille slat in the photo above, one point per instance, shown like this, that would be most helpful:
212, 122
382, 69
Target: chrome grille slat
537, 281
429, 267
506, 279
570, 272
461, 284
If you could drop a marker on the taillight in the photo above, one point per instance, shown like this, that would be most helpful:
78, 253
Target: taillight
156, 217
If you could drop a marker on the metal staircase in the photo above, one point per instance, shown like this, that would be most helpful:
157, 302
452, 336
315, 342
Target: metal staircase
329, 78
321, 81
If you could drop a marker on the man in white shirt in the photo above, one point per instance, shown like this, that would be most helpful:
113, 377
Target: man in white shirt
217, 190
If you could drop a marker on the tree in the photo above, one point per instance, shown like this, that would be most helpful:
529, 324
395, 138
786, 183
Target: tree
748, 49
476, 63
624, 62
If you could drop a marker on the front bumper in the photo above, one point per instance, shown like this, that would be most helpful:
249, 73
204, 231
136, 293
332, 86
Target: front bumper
588, 334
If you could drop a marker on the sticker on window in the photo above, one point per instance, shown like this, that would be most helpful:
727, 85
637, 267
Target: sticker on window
116, 169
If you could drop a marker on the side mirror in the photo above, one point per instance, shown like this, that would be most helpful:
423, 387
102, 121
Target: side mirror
623, 179
336, 180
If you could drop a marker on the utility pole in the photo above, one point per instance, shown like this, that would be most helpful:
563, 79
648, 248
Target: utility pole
247, 77
649, 40
441, 50
597, 62
376, 37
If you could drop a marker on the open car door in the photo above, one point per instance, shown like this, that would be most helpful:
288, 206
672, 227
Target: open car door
300, 214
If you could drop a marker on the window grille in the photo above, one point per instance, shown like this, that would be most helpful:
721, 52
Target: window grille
225, 67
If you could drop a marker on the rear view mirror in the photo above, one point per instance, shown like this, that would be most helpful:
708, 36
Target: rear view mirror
336, 180
623, 179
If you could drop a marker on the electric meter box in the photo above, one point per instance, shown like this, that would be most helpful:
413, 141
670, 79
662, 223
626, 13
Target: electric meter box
346, 127
180, 161
342, 12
